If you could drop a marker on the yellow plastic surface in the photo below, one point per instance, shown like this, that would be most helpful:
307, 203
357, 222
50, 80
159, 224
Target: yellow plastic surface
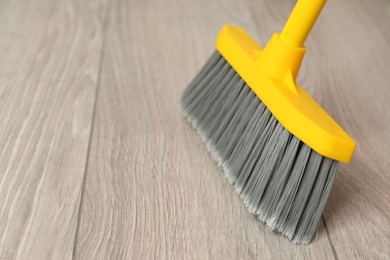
271, 73
301, 21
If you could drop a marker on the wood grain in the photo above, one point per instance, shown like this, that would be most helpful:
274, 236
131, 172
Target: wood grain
49, 61
89, 120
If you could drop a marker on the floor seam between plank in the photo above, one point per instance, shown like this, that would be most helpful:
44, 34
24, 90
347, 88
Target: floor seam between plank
81, 203
330, 240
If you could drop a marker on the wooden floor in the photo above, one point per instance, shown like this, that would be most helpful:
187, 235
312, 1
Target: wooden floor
97, 162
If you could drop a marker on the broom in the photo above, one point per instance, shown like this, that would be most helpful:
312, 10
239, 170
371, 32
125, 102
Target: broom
277, 147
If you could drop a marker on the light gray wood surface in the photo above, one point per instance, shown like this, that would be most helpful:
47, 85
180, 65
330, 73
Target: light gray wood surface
89, 120
49, 60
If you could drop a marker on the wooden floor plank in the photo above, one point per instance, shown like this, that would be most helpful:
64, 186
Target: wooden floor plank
49, 62
152, 191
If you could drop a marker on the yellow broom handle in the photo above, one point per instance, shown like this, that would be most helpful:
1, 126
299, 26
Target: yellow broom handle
301, 21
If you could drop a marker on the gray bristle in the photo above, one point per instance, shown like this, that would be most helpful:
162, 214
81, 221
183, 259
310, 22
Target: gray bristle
280, 179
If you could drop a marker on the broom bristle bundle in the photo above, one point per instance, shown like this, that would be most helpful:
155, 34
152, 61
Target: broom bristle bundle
280, 179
